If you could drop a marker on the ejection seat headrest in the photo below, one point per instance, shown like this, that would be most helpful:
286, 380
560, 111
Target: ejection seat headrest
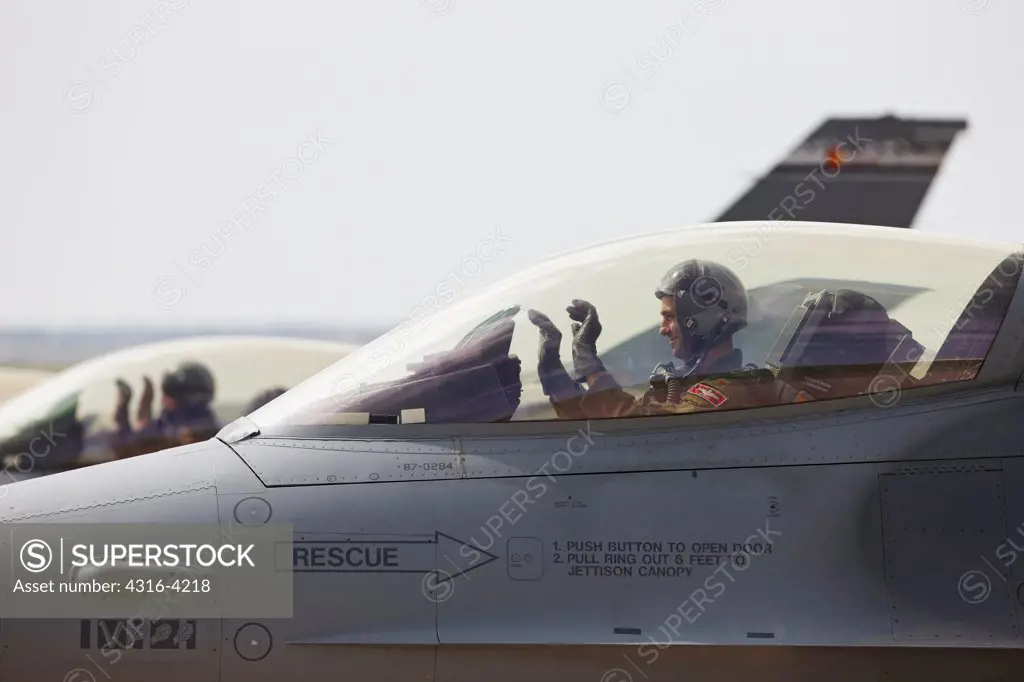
835, 343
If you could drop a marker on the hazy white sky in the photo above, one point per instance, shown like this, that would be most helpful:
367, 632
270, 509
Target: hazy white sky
133, 131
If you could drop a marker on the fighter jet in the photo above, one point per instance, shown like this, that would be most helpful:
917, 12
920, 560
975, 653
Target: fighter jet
452, 520
70, 420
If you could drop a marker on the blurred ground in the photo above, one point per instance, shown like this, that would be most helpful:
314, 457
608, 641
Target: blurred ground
14, 380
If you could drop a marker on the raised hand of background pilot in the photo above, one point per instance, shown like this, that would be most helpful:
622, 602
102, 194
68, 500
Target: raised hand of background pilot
549, 350
145, 413
586, 327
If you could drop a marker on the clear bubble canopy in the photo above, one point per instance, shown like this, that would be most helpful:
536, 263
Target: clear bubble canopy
475, 361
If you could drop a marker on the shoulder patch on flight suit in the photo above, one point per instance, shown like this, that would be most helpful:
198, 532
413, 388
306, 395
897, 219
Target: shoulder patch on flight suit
712, 396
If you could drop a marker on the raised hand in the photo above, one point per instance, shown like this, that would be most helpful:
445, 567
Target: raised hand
586, 329
145, 413
549, 349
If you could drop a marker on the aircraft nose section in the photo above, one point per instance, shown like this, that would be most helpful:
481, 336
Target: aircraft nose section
177, 485
172, 487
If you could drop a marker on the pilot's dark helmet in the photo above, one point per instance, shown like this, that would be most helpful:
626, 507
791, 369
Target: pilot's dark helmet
264, 398
190, 385
710, 300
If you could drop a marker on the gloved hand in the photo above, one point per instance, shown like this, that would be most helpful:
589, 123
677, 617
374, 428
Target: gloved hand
554, 380
585, 331
549, 351
145, 413
124, 394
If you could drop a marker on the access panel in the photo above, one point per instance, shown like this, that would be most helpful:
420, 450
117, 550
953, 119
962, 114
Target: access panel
728, 557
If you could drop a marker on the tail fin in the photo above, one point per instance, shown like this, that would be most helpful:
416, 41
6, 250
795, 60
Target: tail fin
853, 170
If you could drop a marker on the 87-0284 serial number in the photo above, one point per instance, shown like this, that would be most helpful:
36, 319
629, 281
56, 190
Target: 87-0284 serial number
140, 585
430, 466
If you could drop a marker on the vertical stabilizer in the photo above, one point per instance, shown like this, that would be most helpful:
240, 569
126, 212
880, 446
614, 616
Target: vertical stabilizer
853, 170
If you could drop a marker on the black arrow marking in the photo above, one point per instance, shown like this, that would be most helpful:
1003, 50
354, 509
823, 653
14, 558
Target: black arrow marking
462, 544
428, 564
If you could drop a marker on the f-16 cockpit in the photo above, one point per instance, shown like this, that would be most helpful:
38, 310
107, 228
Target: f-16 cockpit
109, 407
831, 311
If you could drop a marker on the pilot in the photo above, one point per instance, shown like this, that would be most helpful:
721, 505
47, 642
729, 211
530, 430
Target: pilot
703, 304
186, 416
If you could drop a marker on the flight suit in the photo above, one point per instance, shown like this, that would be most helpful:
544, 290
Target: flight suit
564, 394
724, 385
